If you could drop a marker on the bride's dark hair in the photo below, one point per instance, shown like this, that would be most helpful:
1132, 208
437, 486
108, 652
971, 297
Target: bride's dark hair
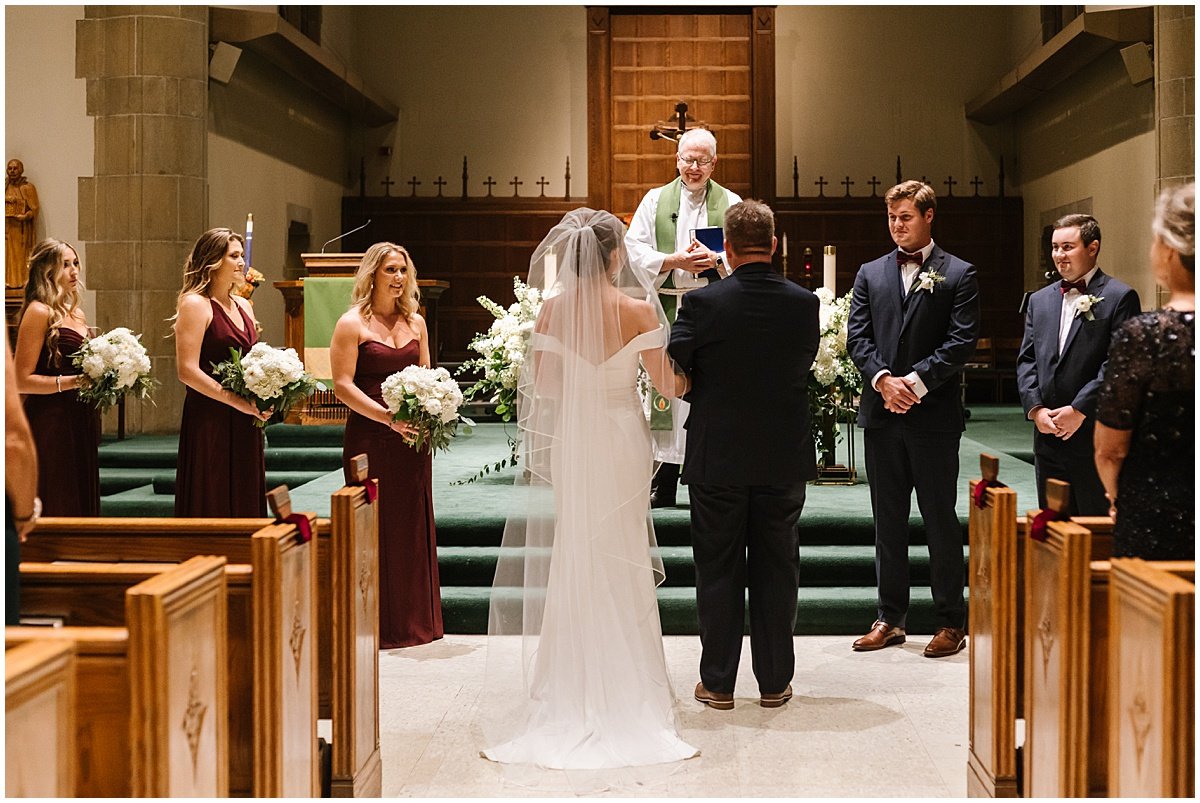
609, 233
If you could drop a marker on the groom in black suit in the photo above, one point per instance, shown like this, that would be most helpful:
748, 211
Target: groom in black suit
747, 344
1060, 368
914, 320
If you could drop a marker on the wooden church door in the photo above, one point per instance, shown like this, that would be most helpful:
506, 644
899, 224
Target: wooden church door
642, 63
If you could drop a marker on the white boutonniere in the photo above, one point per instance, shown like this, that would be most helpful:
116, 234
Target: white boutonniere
1084, 307
929, 280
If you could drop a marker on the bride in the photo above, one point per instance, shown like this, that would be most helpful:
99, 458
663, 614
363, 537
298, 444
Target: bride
576, 677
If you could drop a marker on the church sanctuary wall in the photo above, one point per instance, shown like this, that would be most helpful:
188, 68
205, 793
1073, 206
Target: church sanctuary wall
1089, 146
505, 86
45, 120
851, 96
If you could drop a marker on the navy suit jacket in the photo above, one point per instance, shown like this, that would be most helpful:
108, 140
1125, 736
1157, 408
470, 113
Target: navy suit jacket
1075, 378
747, 343
934, 334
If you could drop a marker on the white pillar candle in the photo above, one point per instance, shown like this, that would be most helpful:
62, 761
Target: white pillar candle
785, 245
831, 268
550, 264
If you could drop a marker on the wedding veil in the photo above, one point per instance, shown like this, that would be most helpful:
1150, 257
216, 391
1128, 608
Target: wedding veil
581, 497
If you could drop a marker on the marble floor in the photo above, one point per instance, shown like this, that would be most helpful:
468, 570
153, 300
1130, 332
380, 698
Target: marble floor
884, 724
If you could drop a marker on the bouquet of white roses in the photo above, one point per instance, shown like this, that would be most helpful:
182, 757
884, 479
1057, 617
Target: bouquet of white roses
268, 377
835, 380
113, 364
503, 347
427, 398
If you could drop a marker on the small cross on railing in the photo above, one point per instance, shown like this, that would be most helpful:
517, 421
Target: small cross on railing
821, 182
874, 182
543, 184
441, 182
387, 185
516, 184
977, 182
412, 182
949, 182
847, 183
489, 184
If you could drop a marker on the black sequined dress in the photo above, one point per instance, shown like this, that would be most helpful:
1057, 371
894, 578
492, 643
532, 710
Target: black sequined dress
1150, 388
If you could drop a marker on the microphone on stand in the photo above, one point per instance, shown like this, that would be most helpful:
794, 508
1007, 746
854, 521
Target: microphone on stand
347, 234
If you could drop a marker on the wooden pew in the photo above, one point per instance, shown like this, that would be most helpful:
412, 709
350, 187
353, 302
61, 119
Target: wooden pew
151, 709
1151, 679
272, 654
346, 579
354, 552
993, 566
39, 720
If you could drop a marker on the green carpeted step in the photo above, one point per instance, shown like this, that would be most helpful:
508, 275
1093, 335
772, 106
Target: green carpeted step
319, 459
165, 483
819, 565
141, 502
295, 436
141, 452
830, 610
115, 480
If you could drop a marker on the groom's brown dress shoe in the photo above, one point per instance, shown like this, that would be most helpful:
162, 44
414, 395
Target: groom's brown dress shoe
714, 699
947, 641
879, 636
776, 700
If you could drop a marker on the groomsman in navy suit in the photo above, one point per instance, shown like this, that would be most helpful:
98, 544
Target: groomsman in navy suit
1060, 368
914, 321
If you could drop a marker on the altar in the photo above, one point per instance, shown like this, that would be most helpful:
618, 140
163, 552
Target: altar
333, 276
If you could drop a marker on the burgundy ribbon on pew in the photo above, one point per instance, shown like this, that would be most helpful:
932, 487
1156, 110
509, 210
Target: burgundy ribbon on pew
304, 534
372, 488
1037, 528
981, 491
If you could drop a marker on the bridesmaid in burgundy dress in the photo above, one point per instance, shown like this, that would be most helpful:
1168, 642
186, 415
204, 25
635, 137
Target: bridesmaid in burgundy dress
380, 335
66, 430
221, 471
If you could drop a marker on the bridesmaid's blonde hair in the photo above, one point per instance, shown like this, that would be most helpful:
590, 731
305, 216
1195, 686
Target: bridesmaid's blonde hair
364, 281
45, 268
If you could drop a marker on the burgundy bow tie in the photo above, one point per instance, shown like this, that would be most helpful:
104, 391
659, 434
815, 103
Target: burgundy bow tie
1064, 286
903, 258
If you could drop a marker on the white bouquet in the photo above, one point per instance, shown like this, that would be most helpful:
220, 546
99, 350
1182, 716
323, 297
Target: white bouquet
113, 364
268, 377
835, 380
503, 348
427, 398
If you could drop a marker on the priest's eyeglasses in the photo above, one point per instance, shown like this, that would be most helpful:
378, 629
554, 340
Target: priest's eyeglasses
702, 162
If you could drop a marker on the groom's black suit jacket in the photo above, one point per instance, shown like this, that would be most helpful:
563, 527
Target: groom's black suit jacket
747, 343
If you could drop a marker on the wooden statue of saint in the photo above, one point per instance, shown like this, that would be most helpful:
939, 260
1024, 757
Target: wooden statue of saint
20, 215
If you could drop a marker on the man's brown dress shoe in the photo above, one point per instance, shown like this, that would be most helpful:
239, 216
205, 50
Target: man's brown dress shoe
714, 699
776, 700
879, 636
947, 641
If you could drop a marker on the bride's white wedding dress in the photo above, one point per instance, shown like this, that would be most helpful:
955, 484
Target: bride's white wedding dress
594, 691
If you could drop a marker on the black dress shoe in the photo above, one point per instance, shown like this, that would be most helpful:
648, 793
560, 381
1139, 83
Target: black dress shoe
657, 501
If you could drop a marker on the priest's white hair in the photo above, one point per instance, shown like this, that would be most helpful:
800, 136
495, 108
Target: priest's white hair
700, 137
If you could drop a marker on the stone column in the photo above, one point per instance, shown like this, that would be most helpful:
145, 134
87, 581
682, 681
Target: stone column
147, 86
1175, 93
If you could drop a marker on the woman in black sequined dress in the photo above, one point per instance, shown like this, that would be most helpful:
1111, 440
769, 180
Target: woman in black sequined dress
1145, 421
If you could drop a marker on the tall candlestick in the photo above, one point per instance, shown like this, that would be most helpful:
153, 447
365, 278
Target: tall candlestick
249, 239
551, 265
831, 268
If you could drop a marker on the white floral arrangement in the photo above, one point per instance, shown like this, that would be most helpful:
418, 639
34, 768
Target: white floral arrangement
113, 365
502, 348
1085, 305
835, 380
929, 280
269, 377
427, 398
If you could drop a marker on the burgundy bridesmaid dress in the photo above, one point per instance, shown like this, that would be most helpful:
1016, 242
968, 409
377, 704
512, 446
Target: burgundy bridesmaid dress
67, 434
410, 596
221, 469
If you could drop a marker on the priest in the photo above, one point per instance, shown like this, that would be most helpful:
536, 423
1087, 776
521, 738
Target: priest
663, 242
